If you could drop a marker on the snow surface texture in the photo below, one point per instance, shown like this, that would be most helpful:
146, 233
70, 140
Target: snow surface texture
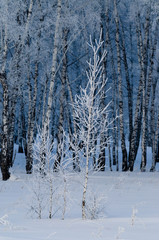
124, 205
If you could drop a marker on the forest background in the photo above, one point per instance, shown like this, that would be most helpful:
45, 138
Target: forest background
43, 55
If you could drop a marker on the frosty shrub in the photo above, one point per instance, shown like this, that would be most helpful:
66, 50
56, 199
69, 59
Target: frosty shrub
95, 205
49, 188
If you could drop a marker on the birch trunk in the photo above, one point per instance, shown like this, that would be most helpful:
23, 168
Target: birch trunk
32, 102
28, 157
114, 96
14, 97
3, 81
44, 101
54, 66
89, 119
40, 107
4, 151
87, 159
151, 86
152, 113
74, 139
62, 102
11, 125
121, 112
138, 108
32, 107
117, 146
129, 89
144, 86
22, 129
102, 155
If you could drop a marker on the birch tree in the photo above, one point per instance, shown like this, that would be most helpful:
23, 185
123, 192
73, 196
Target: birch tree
144, 87
4, 84
32, 105
62, 101
88, 114
54, 66
121, 112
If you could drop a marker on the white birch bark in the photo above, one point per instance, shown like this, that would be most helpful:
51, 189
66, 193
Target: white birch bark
121, 112
11, 125
102, 155
44, 101
29, 18
114, 96
152, 112
132, 153
141, 46
129, 89
73, 139
144, 85
33, 99
3, 81
4, 150
32, 107
54, 66
62, 102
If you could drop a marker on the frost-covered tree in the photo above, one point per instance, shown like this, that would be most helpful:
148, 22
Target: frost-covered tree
88, 113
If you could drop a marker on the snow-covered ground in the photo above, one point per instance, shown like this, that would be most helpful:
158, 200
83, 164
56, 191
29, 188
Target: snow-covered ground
126, 206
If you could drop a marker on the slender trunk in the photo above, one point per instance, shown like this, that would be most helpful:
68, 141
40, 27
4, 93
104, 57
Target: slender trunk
29, 16
22, 129
51, 196
144, 86
121, 112
152, 113
138, 109
110, 158
155, 145
117, 146
44, 101
53, 70
74, 139
39, 108
114, 95
4, 151
11, 125
129, 89
32, 103
14, 98
32, 107
62, 102
28, 157
3, 81
87, 162
102, 155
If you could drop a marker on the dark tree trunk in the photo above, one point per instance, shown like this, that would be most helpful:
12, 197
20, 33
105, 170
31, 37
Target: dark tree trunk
121, 110
11, 125
60, 136
4, 151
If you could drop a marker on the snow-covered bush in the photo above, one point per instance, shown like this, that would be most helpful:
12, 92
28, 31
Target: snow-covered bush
49, 188
95, 204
